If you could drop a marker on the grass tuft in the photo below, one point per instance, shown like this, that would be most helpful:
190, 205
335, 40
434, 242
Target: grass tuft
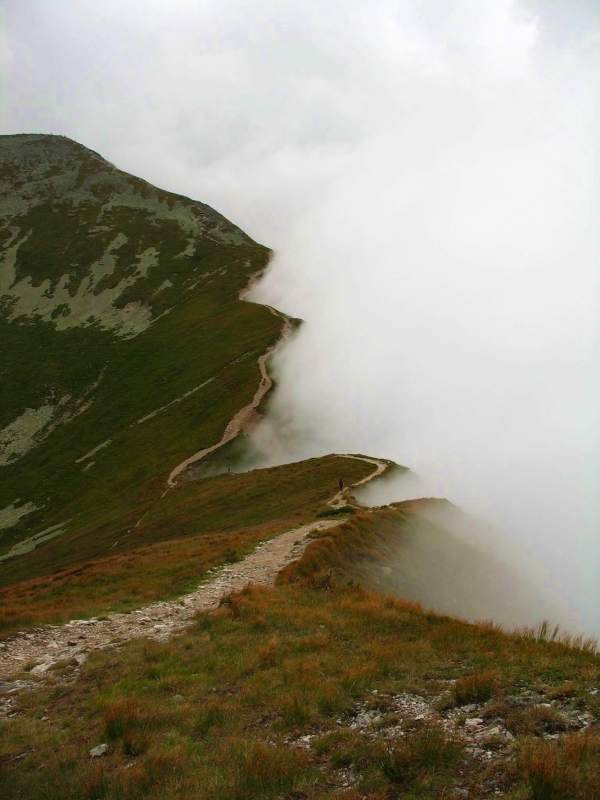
340, 511
477, 688
535, 720
261, 771
427, 752
544, 632
562, 770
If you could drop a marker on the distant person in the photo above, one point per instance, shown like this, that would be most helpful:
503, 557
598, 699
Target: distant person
341, 485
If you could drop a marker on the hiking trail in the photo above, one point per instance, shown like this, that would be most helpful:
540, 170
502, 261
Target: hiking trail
74, 640
243, 416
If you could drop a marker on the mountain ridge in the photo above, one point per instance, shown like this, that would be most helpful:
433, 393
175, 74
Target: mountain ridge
123, 301
301, 684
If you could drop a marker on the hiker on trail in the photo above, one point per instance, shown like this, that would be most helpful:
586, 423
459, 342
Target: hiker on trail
341, 485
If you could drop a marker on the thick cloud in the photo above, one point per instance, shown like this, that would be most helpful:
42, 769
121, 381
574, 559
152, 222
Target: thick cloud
425, 172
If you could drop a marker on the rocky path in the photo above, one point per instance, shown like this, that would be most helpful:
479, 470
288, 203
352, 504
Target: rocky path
49, 645
37, 650
245, 414
381, 466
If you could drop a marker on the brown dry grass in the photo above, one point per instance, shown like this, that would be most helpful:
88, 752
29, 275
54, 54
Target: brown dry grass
476, 688
124, 581
243, 510
207, 715
568, 769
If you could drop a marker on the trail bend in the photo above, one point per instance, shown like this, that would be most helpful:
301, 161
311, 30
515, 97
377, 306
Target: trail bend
381, 466
238, 422
161, 620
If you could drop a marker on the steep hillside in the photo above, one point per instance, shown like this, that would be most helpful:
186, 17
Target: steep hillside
129, 366
124, 345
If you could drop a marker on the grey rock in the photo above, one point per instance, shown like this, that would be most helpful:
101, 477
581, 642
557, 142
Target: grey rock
40, 669
99, 751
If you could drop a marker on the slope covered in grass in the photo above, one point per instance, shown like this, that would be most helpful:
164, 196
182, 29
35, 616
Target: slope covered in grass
198, 525
124, 345
430, 552
304, 691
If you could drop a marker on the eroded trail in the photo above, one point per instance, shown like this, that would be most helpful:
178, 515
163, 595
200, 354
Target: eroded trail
47, 646
237, 424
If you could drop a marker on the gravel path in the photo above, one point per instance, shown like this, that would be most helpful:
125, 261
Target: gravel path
239, 421
46, 646
51, 644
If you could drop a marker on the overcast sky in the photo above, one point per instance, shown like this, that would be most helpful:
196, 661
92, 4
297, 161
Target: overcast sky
425, 172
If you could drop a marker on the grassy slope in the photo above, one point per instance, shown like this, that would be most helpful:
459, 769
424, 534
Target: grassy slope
207, 335
197, 526
415, 551
178, 353
198, 717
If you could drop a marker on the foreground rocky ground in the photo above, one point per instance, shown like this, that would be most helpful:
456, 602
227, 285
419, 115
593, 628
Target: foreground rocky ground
484, 733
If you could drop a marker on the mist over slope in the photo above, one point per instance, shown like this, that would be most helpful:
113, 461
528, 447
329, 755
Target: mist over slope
448, 279
426, 173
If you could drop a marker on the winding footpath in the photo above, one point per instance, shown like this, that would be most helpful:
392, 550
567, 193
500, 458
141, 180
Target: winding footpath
381, 466
74, 640
245, 414
49, 645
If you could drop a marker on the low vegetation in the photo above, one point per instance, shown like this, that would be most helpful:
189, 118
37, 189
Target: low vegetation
197, 526
476, 688
319, 687
264, 698
119, 413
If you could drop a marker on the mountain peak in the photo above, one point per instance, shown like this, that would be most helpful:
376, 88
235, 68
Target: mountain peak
112, 243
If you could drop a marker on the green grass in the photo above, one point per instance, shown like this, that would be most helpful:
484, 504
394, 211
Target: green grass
340, 511
232, 501
197, 526
151, 370
213, 713
207, 335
